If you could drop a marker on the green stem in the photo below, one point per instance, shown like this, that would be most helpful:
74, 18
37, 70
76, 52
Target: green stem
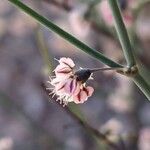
64, 34
122, 33
44, 51
143, 85
127, 48
103, 69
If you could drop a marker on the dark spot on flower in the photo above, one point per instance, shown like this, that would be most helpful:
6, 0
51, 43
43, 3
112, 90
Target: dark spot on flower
71, 86
61, 87
67, 65
79, 96
64, 71
86, 91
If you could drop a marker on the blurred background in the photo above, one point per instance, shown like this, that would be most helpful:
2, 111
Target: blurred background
29, 119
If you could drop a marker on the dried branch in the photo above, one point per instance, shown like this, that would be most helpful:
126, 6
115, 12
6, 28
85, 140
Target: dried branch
84, 124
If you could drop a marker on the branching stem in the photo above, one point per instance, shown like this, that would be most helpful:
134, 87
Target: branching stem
70, 38
122, 33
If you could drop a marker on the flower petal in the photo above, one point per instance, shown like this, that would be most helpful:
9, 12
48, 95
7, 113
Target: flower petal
68, 87
77, 87
62, 68
67, 61
60, 87
89, 90
63, 71
55, 81
72, 87
81, 97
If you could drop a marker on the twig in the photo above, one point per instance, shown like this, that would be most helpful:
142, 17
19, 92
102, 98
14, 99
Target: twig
122, 33
65, 35
93, 24
35, 125
127, 49
143, 85
86, 126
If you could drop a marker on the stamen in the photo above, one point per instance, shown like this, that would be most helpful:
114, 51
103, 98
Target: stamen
49, 82
51, 93
75, 81
52, 77
60, 101
61, 87
56, 59
57, 99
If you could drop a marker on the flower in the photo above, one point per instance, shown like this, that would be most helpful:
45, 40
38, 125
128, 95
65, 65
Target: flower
69, 85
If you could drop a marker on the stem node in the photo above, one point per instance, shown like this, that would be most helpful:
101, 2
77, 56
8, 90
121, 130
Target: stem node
129, 71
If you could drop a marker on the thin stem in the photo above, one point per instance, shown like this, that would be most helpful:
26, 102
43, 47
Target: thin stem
127, 49
103, 69
36, 126
92, 130
122, 33
44, 51
64, 34
84, 124
143, 85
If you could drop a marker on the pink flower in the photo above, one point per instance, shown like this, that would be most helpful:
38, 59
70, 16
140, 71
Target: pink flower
69, 86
